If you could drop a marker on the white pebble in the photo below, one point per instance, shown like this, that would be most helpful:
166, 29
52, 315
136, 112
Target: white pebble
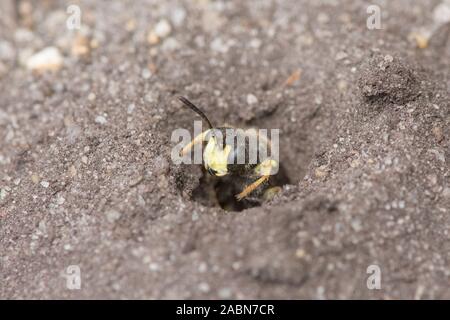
113, 215
130, 108
170, 44
146, 74
202, 267
23, 35
251, 99
441, 13
7, 51
388, 58
151, 97
153, 266
162, 28
3, 194
340, 55
219, 45
100, 119
255, 43
177, 16
45, 184
91, 96
60, 200
204, 287
47, 59
225, 293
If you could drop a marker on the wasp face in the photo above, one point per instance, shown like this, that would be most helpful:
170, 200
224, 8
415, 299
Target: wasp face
216, 158
220, 161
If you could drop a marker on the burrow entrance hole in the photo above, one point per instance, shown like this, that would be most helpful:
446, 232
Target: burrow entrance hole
221, 191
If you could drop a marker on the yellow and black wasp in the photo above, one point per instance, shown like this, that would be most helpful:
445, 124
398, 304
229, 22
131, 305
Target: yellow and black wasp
220, 157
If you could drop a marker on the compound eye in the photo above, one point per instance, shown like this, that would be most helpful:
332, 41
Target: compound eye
212, 171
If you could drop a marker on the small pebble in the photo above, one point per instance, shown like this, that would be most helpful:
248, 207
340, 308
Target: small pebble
49, 59
91, 96
441, 13
146, 73
321, 171
72, 171
225, 293
177, 16
100, 120
204, 287
438, 134
45, 184
60, 200
340, 56
153, 266
35, 178
113, 215
170, 45
356, 225
162, 28
388, 58
3, 194
219, 45
7, 51
130, 25
251, 99
300, 253
202, 267
152, 38
80, 46
255, 43
130, 108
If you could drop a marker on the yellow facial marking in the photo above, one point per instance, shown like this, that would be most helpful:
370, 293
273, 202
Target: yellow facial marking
266, 168
216, 158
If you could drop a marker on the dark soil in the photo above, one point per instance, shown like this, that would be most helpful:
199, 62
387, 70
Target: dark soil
86, 176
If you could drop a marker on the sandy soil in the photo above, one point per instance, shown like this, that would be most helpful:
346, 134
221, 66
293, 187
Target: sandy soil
85, 171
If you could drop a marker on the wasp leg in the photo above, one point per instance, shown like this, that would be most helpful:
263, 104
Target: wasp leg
250, 188
198, 139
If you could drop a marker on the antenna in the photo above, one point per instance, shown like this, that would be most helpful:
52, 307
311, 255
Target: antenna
189, 104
